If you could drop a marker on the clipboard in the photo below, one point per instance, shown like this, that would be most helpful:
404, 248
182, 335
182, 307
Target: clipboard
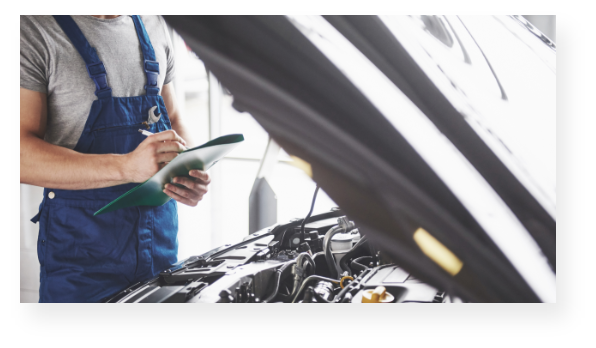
150, 193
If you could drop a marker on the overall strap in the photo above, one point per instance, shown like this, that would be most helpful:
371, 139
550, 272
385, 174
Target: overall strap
95, 67
150, 65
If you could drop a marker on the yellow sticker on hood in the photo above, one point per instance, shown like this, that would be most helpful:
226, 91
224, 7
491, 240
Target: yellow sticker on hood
302, 164
437, 252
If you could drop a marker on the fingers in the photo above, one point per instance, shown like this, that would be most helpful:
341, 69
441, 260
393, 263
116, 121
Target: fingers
179, 198
192, 194
169, 146
165, 157
167, 135
199, 174
185, 195
192, 184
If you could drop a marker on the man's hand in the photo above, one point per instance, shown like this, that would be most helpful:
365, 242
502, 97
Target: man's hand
194, 188
152, 154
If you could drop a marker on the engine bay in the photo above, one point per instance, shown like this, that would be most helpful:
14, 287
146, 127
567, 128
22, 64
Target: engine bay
326, 260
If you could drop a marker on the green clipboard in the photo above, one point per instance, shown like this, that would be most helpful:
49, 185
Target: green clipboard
151, 193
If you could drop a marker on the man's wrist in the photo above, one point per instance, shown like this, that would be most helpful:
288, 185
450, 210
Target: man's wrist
121, 173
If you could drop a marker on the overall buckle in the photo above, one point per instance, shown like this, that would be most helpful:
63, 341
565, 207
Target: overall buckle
97, 72
152, 71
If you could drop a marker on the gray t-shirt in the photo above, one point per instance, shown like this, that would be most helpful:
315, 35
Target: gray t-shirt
50, 64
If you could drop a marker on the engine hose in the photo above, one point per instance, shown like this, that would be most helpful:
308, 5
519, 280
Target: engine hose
309, 279
343, 263
357, 265
315, 255
299, 270
334, 270
312, 206
305, 256
277, 276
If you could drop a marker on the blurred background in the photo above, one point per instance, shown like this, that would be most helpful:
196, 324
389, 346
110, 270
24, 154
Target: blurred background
223, 215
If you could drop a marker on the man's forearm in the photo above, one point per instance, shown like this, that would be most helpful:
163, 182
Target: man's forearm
47, 165
182, 130
169, 98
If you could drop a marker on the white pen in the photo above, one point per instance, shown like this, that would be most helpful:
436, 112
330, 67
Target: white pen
145, 133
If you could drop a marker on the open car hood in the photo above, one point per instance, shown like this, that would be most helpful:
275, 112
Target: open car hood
410, 124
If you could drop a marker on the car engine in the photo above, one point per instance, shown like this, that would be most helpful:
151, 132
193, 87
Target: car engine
326, 260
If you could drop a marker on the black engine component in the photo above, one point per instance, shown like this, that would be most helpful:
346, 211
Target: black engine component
267, 267
324, 291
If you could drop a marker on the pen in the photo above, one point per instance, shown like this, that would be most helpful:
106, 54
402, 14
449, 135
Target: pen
145, 133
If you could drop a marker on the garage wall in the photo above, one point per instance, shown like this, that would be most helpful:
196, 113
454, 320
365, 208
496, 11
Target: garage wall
30, 199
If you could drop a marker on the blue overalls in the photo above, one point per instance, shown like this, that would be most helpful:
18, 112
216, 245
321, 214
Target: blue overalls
85, 258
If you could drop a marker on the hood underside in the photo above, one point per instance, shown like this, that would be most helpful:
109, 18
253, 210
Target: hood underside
372, 167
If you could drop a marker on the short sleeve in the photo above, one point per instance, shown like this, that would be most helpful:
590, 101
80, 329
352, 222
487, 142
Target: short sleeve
169, 53
35, 56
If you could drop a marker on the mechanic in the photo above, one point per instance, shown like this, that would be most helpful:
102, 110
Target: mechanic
88, 83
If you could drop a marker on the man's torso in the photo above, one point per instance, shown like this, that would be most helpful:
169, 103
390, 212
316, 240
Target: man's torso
50, 64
